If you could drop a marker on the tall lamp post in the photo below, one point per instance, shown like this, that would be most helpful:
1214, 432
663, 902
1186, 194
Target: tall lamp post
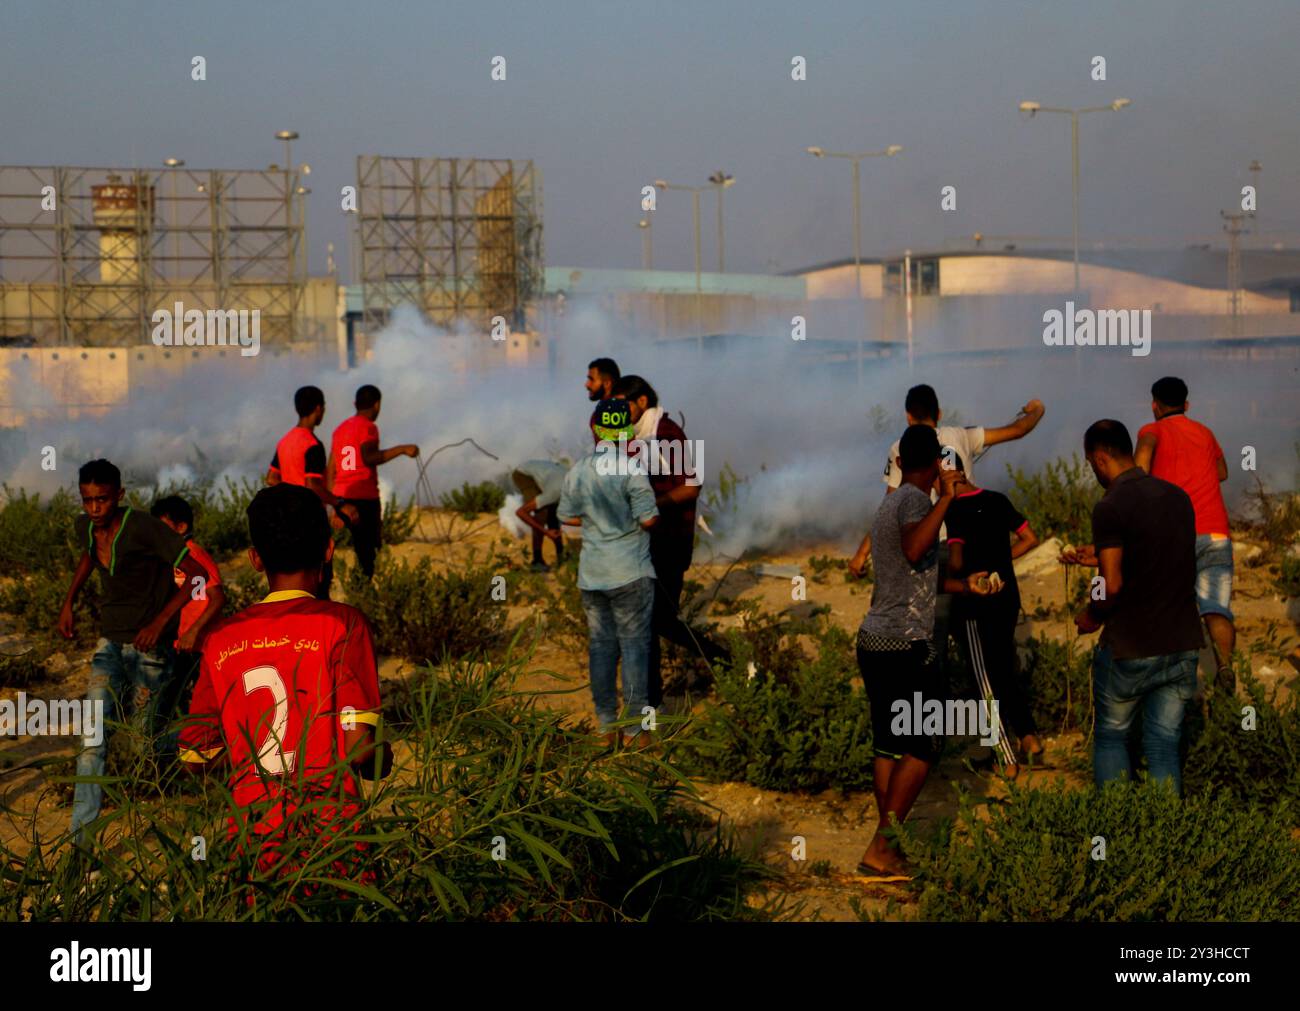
721, 180
856, 158
1034, 107
647, 246
174, 164
694, 191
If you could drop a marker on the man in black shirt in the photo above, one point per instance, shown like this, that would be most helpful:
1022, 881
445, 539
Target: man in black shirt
1144, 533
136, 556
981, 524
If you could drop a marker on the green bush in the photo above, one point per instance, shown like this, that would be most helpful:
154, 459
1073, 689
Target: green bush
1203, 858
245, 588
587, 835
19, 670
797, 724
221, 515
471, 499
37, 538
424, 615
1257, 763
1057, 500
396, 525
35, 603
1056, 677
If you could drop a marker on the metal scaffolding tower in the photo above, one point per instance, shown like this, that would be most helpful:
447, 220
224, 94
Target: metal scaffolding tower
88, 254
459, 238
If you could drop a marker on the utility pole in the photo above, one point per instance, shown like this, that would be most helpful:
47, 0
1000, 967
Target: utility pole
1235, 231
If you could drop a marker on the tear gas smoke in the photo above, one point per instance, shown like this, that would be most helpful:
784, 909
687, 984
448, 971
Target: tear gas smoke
801, 433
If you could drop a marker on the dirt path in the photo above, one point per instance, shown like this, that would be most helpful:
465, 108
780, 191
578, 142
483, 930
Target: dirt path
834, 826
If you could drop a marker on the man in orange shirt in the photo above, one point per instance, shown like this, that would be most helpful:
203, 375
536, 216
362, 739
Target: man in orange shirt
353, 475
1184, 452
300, 459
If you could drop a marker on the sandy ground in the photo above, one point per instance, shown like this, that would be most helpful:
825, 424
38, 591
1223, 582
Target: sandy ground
833, 825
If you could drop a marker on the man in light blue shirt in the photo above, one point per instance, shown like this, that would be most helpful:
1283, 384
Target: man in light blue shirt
609, 496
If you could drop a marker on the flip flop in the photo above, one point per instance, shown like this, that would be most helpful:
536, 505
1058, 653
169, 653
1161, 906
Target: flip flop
875, 875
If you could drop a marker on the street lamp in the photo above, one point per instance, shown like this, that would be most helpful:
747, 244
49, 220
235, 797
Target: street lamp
1031, 108
647, 252
888, 152
694, 191
289, 136
175, 163
721, 180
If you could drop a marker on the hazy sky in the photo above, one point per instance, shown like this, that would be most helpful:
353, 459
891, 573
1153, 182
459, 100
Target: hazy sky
606, 96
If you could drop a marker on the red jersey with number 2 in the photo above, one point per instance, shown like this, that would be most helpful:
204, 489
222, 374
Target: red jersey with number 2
279, 684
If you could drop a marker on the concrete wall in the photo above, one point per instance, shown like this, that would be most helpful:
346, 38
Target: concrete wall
41, 383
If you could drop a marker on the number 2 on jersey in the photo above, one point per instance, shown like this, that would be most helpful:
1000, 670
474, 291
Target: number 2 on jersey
270, 757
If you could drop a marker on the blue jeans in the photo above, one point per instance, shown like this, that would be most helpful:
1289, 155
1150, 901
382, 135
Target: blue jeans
1162, 685
618, 622
128, 683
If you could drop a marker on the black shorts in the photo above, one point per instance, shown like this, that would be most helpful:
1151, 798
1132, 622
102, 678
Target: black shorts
894, 674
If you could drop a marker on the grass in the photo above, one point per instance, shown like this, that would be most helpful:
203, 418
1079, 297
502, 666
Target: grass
499, 811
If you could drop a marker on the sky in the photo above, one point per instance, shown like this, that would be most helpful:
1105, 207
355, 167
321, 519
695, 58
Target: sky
607, 96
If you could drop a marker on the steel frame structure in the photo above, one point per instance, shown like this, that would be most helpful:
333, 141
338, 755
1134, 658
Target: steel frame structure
121, 243
459, 238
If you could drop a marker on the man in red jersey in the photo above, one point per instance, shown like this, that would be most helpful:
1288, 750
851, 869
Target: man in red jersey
353, 475
1184, 452
288, 692
300, 459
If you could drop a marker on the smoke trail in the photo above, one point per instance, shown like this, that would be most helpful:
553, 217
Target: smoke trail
802, 434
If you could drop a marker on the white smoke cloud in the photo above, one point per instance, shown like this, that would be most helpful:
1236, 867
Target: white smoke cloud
800, 431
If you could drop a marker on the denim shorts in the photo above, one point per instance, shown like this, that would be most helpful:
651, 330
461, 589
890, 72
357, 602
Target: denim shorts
1214, 574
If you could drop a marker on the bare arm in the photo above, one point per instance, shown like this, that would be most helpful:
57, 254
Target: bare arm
683, 494
858, 563
147, 637
374, 456
272, 477
360, 747
84, 568
216, 602
1145, 452
918, 538
1031, 414
1223, 468
1026, 541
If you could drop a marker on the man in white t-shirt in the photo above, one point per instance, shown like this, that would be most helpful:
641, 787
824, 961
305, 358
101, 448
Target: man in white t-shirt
922, 407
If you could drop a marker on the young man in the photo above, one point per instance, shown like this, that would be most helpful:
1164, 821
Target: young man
1145, 547
981, 527
970, 443
1184, 452
300, 459
540, 482
895, 649
602, 374
672, 541
608, 496
288, 692
353, 478
207, 599
136, 557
